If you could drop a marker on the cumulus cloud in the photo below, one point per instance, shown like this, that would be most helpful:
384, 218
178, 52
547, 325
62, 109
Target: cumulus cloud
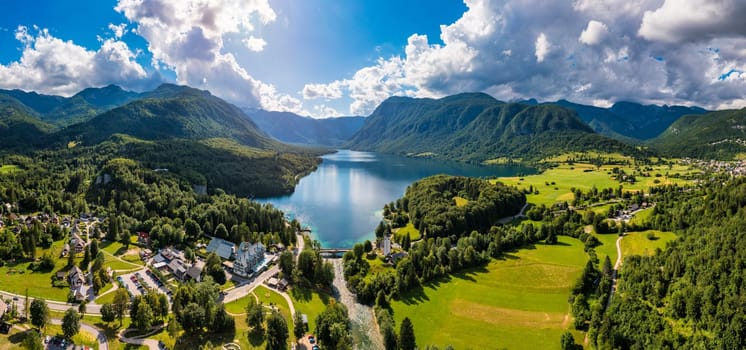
53, 66
542, 47
594, 33
254, 44
118, 30
589, 51
188, 37
694, 20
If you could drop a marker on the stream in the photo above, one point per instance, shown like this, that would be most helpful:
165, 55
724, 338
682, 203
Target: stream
365, 332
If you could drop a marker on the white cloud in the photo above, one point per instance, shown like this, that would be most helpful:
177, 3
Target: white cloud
188, 37
254, 44
331, 91
532, 48
118, 30
694, 20
594, 33
52, 66
542, 47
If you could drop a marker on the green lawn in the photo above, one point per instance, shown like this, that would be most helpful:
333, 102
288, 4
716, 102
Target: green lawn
113, 248
117, 264
607, 247
309, 302
641, 216
8, 169
12, 340
16, 278
637, 243
519, 302
414, 233
585, 176
238, 306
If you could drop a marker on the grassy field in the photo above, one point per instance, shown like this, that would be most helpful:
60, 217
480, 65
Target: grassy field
12, 340
519, 302
414, 233
16, 278
607, 247
637, 243
554, 184
309, 302
641, 216
8, 169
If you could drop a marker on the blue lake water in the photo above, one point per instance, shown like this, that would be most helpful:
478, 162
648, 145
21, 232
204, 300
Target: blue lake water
342, 201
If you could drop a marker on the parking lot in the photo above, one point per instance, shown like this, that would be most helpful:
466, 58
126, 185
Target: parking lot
137, 283
56, 343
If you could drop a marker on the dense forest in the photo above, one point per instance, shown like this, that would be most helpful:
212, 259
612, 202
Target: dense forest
691, 294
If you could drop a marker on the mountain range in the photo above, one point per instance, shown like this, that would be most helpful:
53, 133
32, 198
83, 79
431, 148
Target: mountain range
477, 127
291, 128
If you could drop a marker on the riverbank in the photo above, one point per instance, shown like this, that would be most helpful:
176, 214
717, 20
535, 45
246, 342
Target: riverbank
364, 328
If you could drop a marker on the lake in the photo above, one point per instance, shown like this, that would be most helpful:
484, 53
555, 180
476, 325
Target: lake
342, 201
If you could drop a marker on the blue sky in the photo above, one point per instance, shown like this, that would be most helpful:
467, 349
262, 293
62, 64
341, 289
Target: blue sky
329, 57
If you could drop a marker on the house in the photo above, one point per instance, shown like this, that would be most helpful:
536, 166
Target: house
248, 258
282, 285
398, 256
77, 244
65, 250
76, 278
221, 247
272, 282
195, 271
177, 268
78, 294
60, 275
143, 238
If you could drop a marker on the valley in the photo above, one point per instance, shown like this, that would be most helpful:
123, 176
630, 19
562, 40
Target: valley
523, 245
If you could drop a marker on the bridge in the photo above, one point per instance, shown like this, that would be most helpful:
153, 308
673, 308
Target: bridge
333, 252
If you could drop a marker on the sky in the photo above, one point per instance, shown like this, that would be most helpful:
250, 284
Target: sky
326, 58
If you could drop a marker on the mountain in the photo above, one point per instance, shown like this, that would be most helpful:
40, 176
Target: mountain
169, 112
107, 97
476, 127
18, 127
716, 135
629, 121
63, 111
291, 128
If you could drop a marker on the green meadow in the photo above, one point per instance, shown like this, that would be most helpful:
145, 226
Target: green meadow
555, 184
638, 243
519, 301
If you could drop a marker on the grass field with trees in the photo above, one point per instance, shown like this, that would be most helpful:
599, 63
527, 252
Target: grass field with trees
521, 299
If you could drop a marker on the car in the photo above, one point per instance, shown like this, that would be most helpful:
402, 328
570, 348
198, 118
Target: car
15, 298
311, 339
315, 347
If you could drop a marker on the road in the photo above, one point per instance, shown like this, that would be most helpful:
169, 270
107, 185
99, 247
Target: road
508, 219
152, 344
91, 308
617, 264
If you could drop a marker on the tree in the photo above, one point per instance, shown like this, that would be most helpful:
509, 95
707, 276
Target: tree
192, 318
567, 342
255, 315
214, 268
406, 335
93, 247
299, 327
39, 313
32, 340
189, 254
70, 323
120, 303
287, 263
82, 307
221, 231
143, 317
277, 331
367, 246
332, 325
108, 314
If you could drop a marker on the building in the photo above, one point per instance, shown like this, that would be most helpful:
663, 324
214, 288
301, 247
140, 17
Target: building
76, 278
222, 248
77, 244
195, 271
177, 268
386, 245
248, 258
3, 308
